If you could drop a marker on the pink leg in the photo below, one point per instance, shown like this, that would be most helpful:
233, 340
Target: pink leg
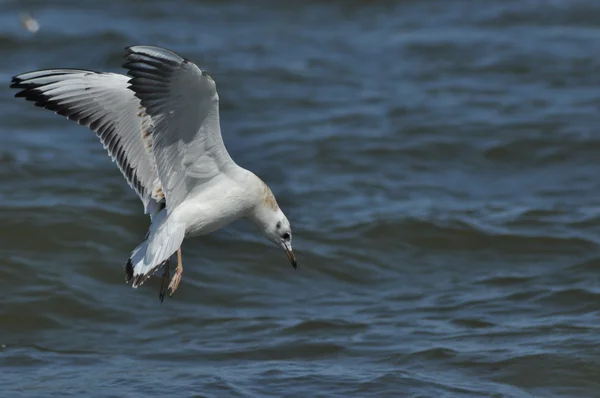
178, 274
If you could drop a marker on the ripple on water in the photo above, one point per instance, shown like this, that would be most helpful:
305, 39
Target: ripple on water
439, 165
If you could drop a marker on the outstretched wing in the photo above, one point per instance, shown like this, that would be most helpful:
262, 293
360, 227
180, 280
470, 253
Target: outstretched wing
104, 103
184, 105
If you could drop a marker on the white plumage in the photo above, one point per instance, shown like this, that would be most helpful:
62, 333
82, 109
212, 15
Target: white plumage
161, 126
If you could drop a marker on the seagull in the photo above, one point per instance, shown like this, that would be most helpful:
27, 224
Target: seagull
160, 125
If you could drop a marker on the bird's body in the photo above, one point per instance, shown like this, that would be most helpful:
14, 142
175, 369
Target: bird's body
228, 199
161, 126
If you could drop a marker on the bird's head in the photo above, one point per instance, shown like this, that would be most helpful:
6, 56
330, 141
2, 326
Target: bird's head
274, 225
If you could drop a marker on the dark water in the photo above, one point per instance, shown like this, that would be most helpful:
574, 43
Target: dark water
439, 162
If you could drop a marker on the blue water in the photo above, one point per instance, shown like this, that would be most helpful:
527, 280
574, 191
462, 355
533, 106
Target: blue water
437, 160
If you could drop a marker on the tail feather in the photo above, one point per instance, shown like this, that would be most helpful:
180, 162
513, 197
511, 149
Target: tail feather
138, 278
163, 240
128, 271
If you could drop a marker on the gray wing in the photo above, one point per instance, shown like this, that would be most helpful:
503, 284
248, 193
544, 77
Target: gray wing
104, 103
184, 105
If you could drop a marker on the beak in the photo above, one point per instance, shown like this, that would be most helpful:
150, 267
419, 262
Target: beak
291, 256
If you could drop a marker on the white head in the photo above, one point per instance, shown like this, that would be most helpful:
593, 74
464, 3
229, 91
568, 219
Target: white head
273, 224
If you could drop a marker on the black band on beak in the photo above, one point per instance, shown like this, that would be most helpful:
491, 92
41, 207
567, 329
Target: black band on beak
292, 257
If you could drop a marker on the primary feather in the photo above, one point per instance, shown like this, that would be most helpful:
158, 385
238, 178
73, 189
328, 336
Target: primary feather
104, 103
184, 105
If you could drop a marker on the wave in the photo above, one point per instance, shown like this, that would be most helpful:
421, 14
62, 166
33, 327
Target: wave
454, 234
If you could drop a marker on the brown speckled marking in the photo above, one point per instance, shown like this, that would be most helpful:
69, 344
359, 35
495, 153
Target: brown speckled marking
269, 198
141, 112
146, 129
158, 193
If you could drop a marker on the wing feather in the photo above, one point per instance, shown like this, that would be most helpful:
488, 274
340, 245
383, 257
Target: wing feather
104, 103
183, 103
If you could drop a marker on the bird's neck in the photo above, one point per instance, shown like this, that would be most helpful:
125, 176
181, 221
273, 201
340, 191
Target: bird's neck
264, 204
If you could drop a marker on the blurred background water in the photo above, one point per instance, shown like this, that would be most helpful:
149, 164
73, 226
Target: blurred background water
438, 161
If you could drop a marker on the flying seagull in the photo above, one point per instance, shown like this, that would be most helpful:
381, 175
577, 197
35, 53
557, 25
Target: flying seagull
160, 125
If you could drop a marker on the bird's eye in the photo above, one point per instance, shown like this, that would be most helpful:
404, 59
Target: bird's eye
286, 236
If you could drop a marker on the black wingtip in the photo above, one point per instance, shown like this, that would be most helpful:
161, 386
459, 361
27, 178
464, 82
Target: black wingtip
148, 53
14, 82
17, 82
128, 271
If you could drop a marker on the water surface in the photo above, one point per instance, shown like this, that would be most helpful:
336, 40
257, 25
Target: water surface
439, 164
